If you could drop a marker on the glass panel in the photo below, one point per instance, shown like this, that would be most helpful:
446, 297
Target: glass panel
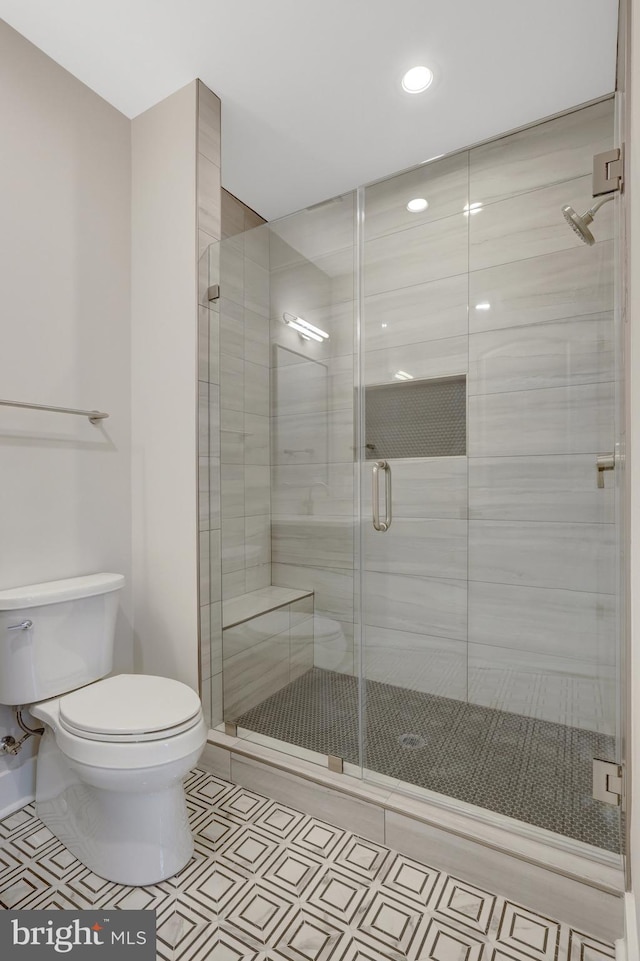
489, 605
287, 479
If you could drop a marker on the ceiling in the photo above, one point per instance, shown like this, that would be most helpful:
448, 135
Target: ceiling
311, 97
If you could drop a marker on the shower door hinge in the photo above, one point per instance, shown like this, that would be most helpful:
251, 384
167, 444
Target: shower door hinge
607, 782
608, 170
213, 292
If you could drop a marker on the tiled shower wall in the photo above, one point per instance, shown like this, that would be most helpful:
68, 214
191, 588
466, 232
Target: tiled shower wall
502, 594
312, 485
496, 580
208, 189
244, 399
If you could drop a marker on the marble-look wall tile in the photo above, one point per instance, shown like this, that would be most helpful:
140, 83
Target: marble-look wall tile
216, 700
214, 493
531, 224
230, 273
214, 344
203, 564
419, 605
416, 255
411, 315
208, 123
203, 419
215, 567
562, 623
214, 420
256, 389
416, 662
557, 420
547, 153
208, 196
255, 674
249, 633
232, 482
313, 490
257, 577
204, 502
557, 354
203, 344
256, 490
559, 487
256, 288
423, 487
313, 438
205, 641
233, 546
233, 583
256, 338
577, 693
257, 538
256, 439
435, 358
423, 547
557, 286
232, 382
232, 435
575, 557
231, 327
333, 589
312, 541
444, 184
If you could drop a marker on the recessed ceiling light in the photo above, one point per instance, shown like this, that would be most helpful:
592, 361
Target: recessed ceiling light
472, 209
483, 306
417, 79
403, 375
417, 205
383, 325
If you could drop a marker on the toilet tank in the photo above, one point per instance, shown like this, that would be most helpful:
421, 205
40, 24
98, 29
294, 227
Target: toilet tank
56, 636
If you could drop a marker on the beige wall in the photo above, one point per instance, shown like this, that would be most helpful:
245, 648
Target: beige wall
164, 392
65, 281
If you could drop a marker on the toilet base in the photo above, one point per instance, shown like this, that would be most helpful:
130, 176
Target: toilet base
134, 837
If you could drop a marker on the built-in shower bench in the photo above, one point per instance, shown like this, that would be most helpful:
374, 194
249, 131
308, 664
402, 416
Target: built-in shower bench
267, 641
267, 599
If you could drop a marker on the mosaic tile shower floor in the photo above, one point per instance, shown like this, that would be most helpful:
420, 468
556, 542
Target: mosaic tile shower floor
532, 770
267, 883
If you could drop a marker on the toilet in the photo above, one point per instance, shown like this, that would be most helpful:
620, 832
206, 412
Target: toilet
115, 750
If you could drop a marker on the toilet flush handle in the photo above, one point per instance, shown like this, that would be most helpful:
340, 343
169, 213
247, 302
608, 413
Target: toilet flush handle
24, 626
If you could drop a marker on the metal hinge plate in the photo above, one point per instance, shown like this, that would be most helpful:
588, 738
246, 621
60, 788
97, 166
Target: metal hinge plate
607, 172
607, 782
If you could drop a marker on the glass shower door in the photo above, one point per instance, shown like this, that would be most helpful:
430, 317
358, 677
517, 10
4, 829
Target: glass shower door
490, 647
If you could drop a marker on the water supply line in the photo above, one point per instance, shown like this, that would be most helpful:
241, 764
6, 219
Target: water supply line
9, 745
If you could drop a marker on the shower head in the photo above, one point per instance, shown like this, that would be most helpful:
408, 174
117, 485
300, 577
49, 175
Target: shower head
580, 224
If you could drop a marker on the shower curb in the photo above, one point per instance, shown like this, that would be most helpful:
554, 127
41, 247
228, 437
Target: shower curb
584, 891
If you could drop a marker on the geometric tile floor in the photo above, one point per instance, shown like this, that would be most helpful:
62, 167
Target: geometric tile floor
267, 883
533, 770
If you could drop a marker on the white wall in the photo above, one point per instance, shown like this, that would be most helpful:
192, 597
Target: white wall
65, 320
164, 394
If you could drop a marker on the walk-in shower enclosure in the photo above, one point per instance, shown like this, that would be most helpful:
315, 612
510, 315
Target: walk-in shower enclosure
419, 467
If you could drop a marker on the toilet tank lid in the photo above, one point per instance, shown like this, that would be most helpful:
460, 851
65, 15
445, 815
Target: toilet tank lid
54, 592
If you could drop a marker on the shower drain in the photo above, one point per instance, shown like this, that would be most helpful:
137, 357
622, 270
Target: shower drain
412, 741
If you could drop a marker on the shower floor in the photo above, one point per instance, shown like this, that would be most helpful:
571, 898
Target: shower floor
532, 770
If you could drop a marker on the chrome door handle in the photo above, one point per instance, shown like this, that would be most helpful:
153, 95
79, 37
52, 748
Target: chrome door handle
24, 626
375, 495
604, 462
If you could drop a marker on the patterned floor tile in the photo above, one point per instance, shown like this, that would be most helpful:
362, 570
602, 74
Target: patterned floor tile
267, 883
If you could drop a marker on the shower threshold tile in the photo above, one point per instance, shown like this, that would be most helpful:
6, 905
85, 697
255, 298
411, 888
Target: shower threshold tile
536, 771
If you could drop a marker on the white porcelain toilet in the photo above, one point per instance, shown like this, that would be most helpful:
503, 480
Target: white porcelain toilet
115, 751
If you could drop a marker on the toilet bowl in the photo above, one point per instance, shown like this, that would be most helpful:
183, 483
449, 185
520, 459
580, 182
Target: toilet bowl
110, 771
115, 749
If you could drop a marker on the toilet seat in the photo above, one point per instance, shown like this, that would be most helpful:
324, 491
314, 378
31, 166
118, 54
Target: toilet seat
130, 708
